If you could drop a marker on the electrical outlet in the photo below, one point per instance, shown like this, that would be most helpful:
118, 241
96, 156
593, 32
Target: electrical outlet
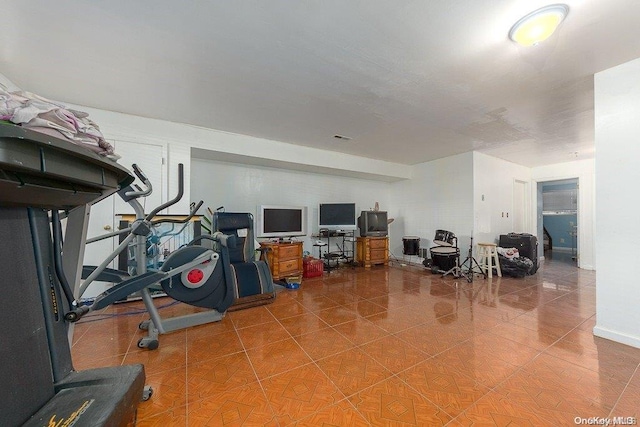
561, 240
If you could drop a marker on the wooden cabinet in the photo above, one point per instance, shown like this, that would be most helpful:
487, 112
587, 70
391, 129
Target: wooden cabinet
372, 251
284, 259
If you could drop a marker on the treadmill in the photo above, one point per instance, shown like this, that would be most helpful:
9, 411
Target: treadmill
41, 174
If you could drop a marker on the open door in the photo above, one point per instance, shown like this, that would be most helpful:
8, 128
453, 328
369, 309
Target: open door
558, 216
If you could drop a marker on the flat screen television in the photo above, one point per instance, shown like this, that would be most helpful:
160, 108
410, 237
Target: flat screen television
281, 221
373, 224
337, 216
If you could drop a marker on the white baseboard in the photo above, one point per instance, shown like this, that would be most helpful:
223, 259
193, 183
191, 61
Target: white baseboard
633, 341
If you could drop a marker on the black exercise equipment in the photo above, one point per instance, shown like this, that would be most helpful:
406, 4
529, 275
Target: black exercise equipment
252, 280
39, 173
192, 274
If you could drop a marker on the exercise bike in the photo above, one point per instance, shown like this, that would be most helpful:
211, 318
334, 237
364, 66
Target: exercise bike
192, 274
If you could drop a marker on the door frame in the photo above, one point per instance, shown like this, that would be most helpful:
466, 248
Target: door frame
540, 218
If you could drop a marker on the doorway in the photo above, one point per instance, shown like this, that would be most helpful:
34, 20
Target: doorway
558, 220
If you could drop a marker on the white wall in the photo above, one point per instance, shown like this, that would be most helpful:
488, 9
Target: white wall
241, 188
443, 194
617, 120
493, 181
439, 196
179, 140
584, 170
446, 194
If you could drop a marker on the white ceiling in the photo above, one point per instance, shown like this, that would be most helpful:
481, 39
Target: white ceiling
409, 81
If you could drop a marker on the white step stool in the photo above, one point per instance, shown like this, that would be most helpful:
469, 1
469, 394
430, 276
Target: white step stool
488, 254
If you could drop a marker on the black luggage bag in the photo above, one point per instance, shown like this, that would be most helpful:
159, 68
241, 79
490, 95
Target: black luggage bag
527, 245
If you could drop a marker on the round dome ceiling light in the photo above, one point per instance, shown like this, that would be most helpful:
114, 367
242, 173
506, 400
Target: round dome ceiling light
538, 25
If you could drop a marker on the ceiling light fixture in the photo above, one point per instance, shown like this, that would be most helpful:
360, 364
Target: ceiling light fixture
538, 25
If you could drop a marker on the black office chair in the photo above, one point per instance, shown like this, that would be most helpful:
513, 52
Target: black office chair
252, 278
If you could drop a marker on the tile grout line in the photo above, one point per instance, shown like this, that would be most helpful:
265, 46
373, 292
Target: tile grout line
637, 370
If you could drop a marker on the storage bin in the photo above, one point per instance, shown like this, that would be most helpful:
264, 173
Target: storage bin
312, 267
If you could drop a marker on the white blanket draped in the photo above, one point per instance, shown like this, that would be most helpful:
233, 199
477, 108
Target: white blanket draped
53, 118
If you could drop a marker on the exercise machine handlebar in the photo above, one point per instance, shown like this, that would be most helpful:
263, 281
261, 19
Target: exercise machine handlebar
136, 191
175, 199
139, 173
192, 213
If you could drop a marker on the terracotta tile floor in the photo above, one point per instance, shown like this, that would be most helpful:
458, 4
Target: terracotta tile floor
392, 346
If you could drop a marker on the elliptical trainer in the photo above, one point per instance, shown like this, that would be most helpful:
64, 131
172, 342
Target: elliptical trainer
192, 274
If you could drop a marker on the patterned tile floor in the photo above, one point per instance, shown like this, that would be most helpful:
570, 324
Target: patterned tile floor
388, 346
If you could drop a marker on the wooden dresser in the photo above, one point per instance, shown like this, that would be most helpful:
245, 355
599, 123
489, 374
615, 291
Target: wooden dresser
285, 259
372, 251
